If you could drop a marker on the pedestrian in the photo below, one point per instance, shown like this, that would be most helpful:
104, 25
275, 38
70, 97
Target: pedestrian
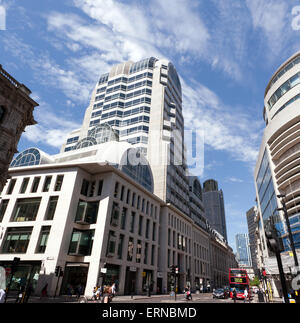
245, 294
44, 292
2, 295
234, 294
106, 295
95, 289
113, 290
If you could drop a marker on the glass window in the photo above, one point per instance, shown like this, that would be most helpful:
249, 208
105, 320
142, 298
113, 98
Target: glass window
84, 187
47, 183
132, 222
42, 244
51, 208
123, 218
100, 186
3, 208
35, 184
147, 228
138, 251
146, 253
11, 186
120, 246
59, 181
17, 240
115, 214
111, 244
87, 212
26, 210
28, 157
130, 249
140, 225
81, 242
24, 185
116, 189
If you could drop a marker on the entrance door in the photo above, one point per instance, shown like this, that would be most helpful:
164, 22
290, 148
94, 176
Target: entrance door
74, 280
159, 286
130, 282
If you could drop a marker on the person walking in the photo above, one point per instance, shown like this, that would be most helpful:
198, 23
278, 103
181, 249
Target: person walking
113, 290
245, 295
234, 294
44, 292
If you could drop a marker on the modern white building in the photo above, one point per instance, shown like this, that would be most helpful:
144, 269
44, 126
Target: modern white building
278, 163
97, 209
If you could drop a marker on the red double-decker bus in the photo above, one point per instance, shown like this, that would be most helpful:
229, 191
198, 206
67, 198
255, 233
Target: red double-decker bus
238, 279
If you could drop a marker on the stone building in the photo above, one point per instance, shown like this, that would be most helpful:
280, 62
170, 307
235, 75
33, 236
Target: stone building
16, 112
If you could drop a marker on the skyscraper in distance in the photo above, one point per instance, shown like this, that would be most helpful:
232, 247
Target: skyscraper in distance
213, 200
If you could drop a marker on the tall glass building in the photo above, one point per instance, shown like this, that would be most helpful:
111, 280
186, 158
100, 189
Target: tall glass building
243, 250
277, 169
213, 200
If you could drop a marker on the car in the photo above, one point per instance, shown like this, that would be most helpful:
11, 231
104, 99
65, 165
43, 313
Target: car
220, 293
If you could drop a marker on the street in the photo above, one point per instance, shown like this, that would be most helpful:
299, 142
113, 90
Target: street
196, 298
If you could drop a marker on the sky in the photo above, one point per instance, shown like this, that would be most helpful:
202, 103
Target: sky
225, 52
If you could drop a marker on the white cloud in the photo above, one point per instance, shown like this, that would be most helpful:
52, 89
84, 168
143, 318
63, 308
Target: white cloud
51, 129
225, 127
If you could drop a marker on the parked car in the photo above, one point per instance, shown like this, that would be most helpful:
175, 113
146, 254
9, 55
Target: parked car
220, 293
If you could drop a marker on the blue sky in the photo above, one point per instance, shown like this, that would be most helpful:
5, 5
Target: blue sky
224, 51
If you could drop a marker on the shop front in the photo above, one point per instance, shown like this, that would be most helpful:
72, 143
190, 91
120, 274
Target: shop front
74, 279
26, 273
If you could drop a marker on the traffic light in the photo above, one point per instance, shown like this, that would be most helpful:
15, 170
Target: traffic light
274, 243
177, 270
57, 270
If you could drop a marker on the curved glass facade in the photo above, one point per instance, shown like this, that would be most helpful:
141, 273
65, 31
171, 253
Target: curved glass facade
174, 77
86, 142
285, 87
28, 157
143, 64
141, 173
285, 69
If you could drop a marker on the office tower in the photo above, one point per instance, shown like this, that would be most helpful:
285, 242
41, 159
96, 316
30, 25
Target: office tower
243, 250
213, 201
16, 108
251, 215
141, 103
277, 166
